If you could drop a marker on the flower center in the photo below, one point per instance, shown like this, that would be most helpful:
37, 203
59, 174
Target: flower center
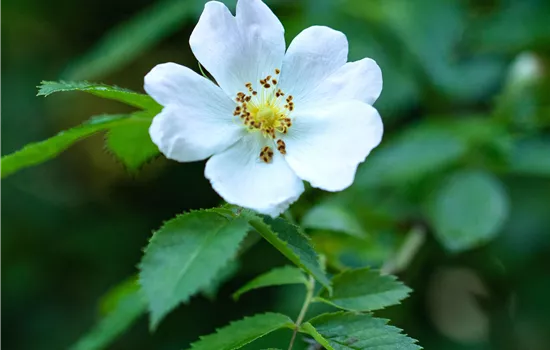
267, 114
266, 110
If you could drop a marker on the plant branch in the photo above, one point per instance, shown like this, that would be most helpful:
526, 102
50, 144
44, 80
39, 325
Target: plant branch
310, 287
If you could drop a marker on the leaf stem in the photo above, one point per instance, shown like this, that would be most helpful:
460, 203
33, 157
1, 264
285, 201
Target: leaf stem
310, 287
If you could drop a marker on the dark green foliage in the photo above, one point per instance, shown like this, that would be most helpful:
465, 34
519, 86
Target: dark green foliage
365, 290
463, 164
351, 331
276, 277
292, 243
120, 309
36, 153
185, 255
239, 333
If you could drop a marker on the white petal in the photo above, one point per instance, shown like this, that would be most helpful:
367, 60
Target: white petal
360, 80
313, 55
326, 144
241, 178
264, 36
238, 50
197, 120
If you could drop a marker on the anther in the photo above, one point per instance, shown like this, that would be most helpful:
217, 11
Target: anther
266, 154
277, 71
254, 93
267, 86
281, 147
274, 81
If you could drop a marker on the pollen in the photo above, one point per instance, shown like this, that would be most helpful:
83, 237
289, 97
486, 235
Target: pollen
265, 108
281, 147
266, 154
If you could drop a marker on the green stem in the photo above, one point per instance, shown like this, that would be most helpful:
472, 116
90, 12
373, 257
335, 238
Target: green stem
310, 286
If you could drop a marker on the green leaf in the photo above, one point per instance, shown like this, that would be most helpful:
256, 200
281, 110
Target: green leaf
239, 333
127, 41
531, 157
468, 209
126, 96
38, 152
121, 308
275, 277
292, 243
364, 290
416, 153
132, 143
332, 217
351, 331
185, 255
227, 272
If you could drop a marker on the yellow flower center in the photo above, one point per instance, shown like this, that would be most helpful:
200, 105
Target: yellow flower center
266, 114
266, 111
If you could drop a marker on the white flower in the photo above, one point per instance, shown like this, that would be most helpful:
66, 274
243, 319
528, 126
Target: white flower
276, 118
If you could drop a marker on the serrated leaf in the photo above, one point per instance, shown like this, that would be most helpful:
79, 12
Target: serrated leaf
184, 256
364, 290
131, 144
226, 273
468, 209
417, 152
292, 243
128, 40
276, 277
121, 308
351, 331
126, 96
38, 152
239, 333
331, 217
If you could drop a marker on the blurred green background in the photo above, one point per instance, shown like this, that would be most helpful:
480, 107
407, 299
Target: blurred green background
456, 201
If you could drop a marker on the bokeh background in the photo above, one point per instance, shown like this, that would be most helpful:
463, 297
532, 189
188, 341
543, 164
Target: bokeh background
456, 201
